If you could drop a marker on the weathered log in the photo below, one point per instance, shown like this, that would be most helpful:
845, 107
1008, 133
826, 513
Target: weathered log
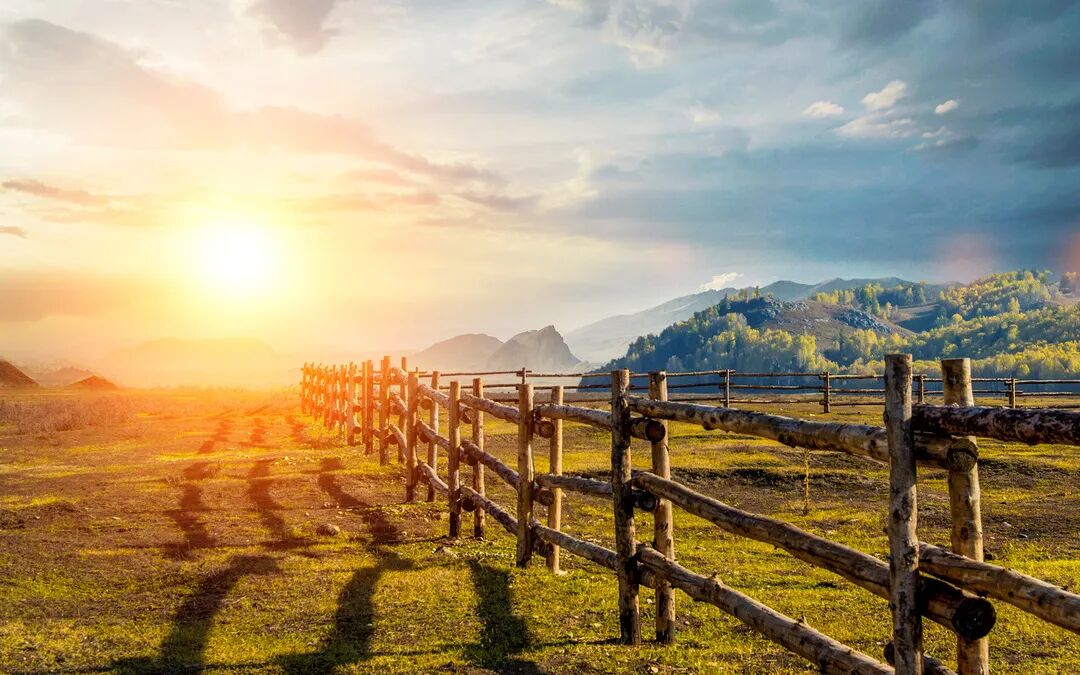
1031, 426
397, 437
397, 405
640, 427
428, 435
589, 486
453, 479
961, 612
350, 404
525, 473
540, 546
856, 439
398, 375
384, 410
931, 666
503, 412
368, 420
555, 449
492, 462
972, 656
429, 476
410, 440
828, 654
597, 554
544, 428
663, 523
1035, 596
903, 517
477, 467
434, 394
622, 500
433, 422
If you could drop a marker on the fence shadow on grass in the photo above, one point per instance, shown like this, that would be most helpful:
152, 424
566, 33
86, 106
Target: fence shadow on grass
187, 518
503, 634
259, 484
184, 648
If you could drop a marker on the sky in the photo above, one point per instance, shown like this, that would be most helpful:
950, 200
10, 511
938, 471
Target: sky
337, 175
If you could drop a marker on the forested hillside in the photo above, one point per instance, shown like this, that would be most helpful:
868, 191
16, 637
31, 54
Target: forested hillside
1021, 324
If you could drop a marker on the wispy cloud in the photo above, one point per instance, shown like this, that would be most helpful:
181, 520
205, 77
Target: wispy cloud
300, 24
822, 109
887, 97
13, 231
873, 126
45, 191
947, 107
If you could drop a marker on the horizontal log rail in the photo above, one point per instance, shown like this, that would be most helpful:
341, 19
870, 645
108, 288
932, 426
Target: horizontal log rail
594, 552
426, 391
966, 615
508, 521
589, 486
397, 405
646, 429
428, 435
492, 462
829, 655
931, 666
856, 439
431, 478
503, 412
396, 436
1005, 424
1035, 596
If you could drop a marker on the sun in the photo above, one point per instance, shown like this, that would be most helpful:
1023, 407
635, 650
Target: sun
237, 258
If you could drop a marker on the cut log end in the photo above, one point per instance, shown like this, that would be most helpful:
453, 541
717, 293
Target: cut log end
974, 618
545, 428
655, 430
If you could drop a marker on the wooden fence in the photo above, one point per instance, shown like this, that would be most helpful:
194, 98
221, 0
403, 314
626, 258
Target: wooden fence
920, 581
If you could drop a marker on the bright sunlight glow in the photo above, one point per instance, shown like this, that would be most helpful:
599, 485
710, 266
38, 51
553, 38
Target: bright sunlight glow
238, 259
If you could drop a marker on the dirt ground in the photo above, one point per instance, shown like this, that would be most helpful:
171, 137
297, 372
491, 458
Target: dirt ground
180, 532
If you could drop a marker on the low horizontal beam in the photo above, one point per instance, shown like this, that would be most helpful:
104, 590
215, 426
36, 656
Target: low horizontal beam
492, 462
1031, 426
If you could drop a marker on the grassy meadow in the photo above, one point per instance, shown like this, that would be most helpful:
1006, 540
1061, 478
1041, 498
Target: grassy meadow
178, 532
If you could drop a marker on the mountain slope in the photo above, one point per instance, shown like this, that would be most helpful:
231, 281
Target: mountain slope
542, 350
12, 377
608, 338
470, 351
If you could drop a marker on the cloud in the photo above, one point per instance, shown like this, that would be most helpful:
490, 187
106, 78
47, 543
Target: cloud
875, 126
945, 141
647, 29
298, 23
702, 116
822, 109
946, 107
39, 189
880, 22
719, 282
114, 99
887, 97
13, 231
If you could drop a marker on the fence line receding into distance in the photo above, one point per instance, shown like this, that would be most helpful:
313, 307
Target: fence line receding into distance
920, 581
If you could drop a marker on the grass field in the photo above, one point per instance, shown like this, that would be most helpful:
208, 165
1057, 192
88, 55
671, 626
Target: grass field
174, 531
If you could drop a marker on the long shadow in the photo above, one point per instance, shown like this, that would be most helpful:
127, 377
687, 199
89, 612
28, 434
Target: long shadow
504, 634
221, 434
259, 483
184, 648
187, 518
349, 641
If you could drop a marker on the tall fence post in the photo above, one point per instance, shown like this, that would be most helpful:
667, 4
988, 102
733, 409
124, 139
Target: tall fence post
384, 409
826, 399
903, 511
453, 459
622, 498
433, 422
410, 437
554, 512
972, 656
343, 386
525, 475
478, 467
663, 525
727, 388
328, 412
1012, 392
402, 393
922, 388
366, 420
350, 405
303, 387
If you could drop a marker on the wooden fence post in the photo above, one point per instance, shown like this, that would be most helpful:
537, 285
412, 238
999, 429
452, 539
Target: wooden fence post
303, 387
410, 438
366, 420
1012, 392
328, 410
384, 409
453, 459
525, 475
922, 388
343, 384
727, 388
826, 399
478, 467
903, 517
402, 393
350, 405
433, 422
972, 656
554, 512
622, 499
663, 525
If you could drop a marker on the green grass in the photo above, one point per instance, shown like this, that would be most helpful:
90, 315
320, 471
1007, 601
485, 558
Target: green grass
183, 538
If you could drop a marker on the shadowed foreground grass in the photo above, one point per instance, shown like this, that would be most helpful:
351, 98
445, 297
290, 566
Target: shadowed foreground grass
180, 535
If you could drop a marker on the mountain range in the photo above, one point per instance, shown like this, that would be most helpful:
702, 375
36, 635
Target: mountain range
541, 350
